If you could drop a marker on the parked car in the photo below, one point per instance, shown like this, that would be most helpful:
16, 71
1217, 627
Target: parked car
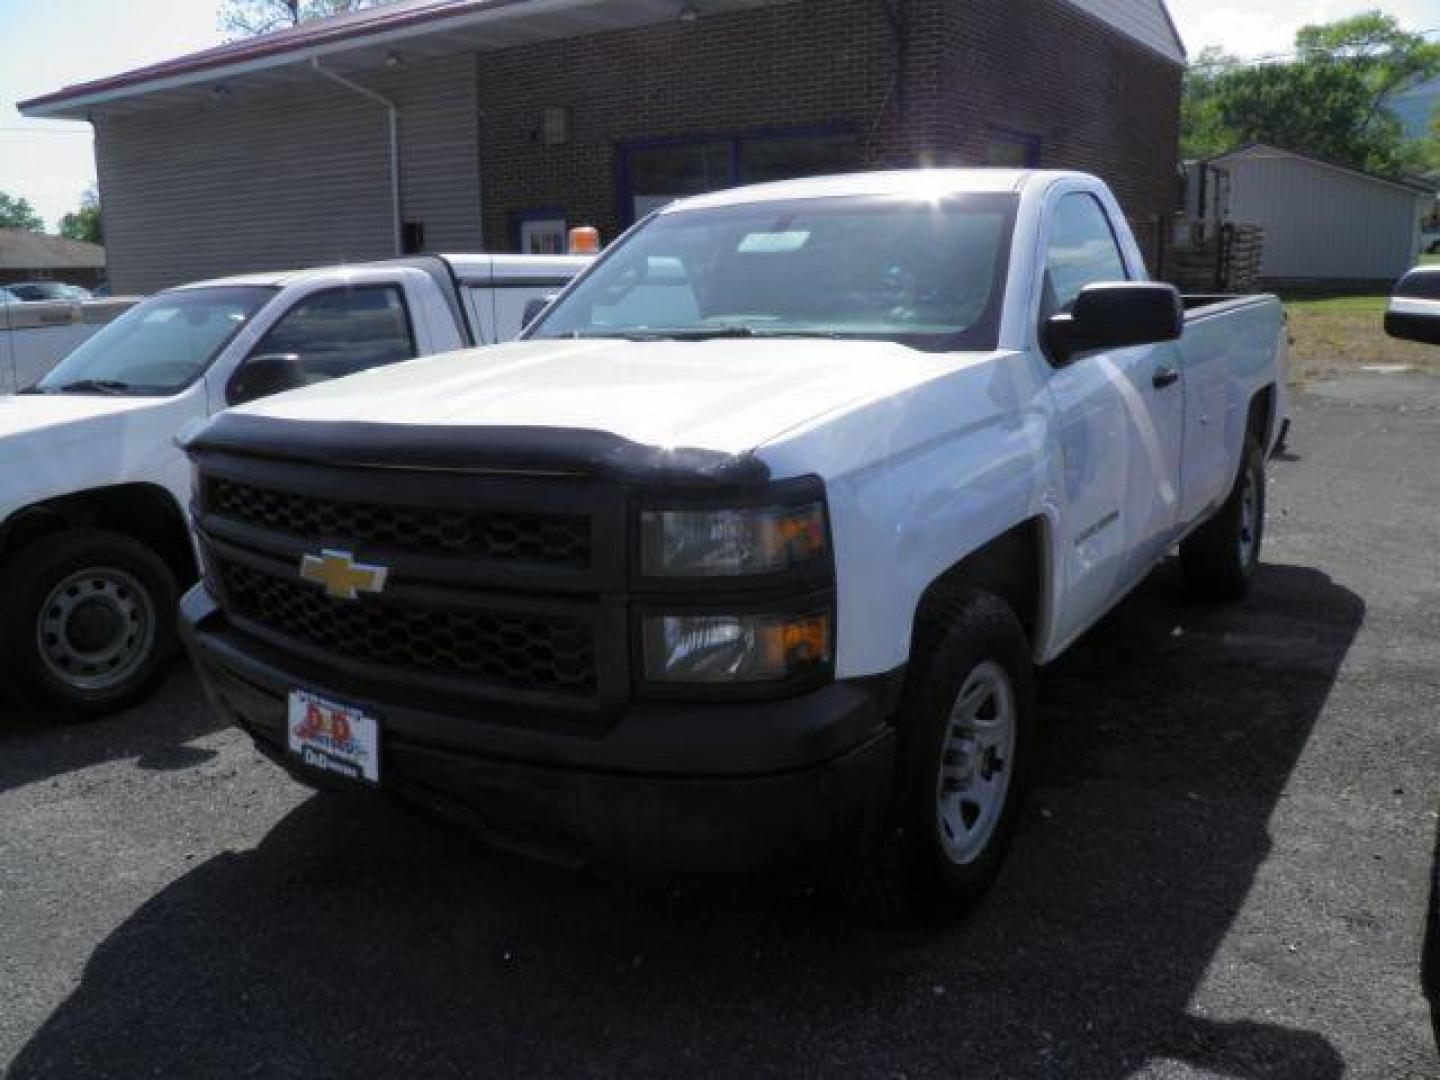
46, 290
743, 555
1414, 315
94, 548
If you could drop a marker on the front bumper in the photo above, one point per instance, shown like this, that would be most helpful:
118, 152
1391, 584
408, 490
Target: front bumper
669, 786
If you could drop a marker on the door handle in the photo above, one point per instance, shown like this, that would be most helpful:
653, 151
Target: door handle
1164, 376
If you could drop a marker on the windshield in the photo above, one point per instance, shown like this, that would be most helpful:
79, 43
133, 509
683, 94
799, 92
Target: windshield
159, 346
929, 274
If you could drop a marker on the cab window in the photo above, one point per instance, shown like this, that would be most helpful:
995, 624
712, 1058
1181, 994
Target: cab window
1082, 251
341, 331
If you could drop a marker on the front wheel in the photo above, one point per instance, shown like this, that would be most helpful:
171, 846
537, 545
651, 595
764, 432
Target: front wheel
967, 738
1219, 558
87, 621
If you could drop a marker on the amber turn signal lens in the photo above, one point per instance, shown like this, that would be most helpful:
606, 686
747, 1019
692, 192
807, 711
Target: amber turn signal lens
584, 240
735, 648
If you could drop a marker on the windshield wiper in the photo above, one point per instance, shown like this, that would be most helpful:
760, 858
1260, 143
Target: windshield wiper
97, 386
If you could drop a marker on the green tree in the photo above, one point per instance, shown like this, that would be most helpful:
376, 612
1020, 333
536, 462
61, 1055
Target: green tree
1203, 132
85, 223
1329, 101
16, 213
248, 18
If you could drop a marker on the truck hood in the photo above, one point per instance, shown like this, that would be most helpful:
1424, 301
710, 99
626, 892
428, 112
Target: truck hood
59, 416
726, 395
56, 444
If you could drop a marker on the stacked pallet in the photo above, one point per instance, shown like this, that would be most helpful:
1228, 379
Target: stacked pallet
1226, 260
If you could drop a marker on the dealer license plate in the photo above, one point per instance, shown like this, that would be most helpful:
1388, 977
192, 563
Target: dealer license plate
334, 738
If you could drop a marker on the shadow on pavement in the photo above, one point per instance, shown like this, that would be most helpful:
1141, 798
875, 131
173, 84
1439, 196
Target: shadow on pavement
37, 746
358, 940
1430, 961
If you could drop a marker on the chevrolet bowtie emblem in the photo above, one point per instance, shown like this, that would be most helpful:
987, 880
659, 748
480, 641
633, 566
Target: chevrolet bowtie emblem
342, 576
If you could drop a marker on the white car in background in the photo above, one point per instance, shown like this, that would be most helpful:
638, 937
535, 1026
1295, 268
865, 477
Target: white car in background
94, 546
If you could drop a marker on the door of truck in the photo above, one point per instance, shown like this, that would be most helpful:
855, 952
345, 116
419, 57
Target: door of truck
1119, 420
340, 326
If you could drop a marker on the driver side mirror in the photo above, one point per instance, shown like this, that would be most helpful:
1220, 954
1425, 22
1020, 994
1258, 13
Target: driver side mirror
534, 308
261, 376
1414, 311
1115, 316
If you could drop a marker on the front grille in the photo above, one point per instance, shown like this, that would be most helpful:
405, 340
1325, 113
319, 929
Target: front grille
547, 539
524, 650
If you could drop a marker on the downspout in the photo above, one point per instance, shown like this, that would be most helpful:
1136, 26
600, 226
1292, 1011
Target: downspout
394, 117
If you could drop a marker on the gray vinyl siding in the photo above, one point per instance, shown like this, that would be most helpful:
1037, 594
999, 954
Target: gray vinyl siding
439, 149
1324, 223
287, 178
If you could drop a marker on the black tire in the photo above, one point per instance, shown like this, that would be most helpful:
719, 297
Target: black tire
126, 609
1219, 558
912, 871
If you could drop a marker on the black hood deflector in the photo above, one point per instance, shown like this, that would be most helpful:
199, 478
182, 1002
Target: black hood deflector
474, 449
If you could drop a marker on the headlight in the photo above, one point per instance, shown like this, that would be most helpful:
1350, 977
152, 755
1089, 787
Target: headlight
717, 543
734, 648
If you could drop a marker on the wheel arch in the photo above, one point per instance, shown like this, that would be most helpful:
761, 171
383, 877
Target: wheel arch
1016, 566
145, 512
1262, 420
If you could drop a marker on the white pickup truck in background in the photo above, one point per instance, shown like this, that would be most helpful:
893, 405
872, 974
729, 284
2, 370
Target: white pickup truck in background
36, 335
743, 555
94, 546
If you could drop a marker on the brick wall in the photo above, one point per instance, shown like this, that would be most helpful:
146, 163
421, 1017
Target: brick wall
804, 64
1099, 101
1095, 99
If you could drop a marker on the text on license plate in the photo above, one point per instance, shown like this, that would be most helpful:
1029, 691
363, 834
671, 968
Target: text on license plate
334, 738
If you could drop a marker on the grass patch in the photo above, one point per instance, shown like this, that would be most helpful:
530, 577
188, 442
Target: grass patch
1330, 335
1354, 305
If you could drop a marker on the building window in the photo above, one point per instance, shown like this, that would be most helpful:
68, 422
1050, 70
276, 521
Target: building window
1011, 149
654, 174
541, 232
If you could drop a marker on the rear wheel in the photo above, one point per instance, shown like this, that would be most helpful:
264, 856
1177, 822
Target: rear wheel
88, 621
966, 742
1219, 559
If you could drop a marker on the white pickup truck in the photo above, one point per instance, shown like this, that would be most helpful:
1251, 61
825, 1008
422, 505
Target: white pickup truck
94, 545
744, 554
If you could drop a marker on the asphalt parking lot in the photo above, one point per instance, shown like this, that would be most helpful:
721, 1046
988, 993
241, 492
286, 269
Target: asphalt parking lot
1225, 870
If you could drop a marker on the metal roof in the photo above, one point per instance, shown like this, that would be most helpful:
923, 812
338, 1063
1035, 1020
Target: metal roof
360, 41
419, 29
1252, 151
23, 250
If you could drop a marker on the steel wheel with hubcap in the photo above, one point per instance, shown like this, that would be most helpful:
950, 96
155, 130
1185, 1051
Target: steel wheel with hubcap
975, 763
88, 622
95, 628
1219, 558
1248, 535
966, 736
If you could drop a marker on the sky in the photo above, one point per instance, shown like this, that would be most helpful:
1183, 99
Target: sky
47, 44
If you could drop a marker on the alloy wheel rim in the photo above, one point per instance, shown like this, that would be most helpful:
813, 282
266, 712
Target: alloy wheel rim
96, 628
975, 763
